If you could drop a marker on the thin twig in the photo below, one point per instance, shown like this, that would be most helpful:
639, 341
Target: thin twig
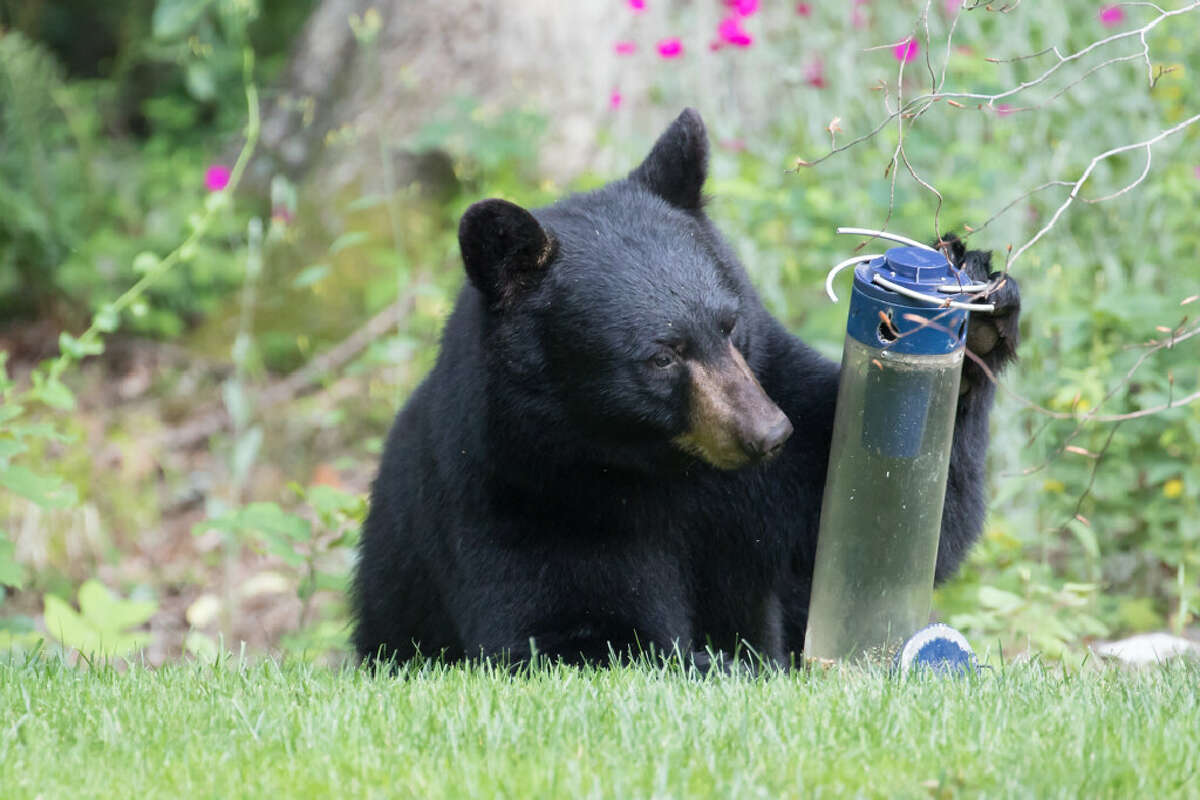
1012, 259
989, 100
298, 382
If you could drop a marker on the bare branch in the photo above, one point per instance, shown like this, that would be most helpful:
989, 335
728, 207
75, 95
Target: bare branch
989, 100
1012, 259
1119, 192
1091, 480
1024, 196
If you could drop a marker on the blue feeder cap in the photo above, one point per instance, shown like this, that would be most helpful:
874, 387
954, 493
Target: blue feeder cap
938, 649
922, 271
918, 267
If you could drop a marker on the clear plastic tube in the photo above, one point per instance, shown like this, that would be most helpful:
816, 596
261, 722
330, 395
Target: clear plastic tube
882, 510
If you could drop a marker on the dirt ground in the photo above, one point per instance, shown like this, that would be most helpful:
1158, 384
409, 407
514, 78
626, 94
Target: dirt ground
143, 487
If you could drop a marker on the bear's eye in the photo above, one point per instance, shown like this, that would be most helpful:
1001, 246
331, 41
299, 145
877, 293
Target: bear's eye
663, 359
727, 326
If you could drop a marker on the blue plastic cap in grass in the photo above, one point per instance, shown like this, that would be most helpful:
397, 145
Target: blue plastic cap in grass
938, 649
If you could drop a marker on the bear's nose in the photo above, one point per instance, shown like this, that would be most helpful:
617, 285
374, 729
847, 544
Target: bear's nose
772, 437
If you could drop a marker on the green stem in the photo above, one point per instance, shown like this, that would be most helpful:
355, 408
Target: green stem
253, 126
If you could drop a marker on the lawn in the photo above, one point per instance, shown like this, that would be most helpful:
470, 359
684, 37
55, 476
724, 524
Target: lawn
265, 730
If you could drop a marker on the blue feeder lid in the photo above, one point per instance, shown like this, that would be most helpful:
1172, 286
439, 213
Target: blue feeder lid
938, 649
922, 271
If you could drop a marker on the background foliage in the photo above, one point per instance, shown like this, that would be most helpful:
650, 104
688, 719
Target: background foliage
112, 114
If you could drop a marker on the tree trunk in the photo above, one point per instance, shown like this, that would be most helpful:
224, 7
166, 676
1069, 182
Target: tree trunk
341, 96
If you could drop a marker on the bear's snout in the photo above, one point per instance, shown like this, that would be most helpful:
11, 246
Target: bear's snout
732, 421
771, 437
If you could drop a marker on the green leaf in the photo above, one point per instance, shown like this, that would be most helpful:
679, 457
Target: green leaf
144, 261
200, 81
279, 546
65, 624
79, 349
270, 518
40, 430
11, 573
1086, 538
347, 240
10, 448
236, 402
275, 527
202, 647
366, 201
226, 523
328, 501
101, 628
999, 599
107, 611
53, 393
47, 491
174, 18
310, 275
107, 319
245, 450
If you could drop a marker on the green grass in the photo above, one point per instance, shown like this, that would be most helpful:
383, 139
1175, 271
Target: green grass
298, 731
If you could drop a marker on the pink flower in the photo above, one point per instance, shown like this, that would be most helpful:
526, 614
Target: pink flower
615, 99
637, 5
1196, 172
814, 73
730, 30
1003, 110
1111, 15
736, 145
906, 51
281, 214
743, 8
216, 177
804, 9
625, 48
670, 47
857, 17
952, 7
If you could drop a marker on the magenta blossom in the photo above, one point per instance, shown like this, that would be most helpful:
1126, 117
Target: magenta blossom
1196, 171
952, 7
857, 18
906, 51
804, 9
625, 48
731, 31
814, 73
615, 99
743, 8
637, 5
1003, 109
216, 177
670, 47
1111, 15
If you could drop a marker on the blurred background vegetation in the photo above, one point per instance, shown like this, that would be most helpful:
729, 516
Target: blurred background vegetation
228, 244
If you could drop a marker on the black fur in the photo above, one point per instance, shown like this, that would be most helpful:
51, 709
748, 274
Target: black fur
530, 495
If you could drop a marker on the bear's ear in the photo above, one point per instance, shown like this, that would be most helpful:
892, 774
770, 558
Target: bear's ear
678, 164
504, 249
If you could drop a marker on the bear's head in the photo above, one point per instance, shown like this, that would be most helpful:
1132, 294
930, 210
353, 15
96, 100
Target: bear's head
622, 315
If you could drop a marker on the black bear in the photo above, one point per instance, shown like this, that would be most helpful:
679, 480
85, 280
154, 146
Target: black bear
619, 448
